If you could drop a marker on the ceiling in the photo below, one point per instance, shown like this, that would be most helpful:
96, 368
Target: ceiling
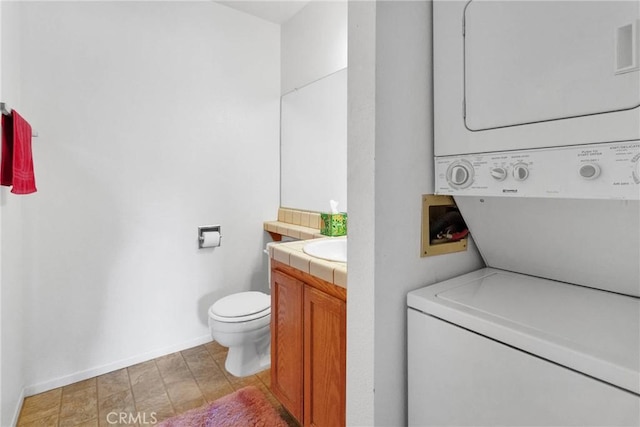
270, 10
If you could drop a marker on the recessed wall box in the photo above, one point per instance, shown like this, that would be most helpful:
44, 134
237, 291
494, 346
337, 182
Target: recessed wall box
443, 229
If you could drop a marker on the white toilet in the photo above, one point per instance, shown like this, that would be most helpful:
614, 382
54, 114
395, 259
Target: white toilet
241, 322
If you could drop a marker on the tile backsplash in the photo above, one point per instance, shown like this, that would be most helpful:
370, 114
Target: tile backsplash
295, 223
298, 217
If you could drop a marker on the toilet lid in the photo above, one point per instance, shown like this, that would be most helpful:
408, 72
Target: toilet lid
241, 307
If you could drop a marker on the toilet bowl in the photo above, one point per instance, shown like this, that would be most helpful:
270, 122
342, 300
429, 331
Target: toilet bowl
241, 322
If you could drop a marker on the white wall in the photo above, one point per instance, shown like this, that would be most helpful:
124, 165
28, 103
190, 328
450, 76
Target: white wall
314, 43
13, 267
1, 411
154, 118
361, 185
398, 155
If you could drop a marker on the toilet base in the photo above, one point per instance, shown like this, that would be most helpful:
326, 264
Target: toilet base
246, 360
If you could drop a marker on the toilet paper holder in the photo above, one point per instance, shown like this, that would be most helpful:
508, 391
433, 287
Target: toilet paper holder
206, 229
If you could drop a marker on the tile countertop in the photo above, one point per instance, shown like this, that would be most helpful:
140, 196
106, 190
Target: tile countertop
292, 230
291, 253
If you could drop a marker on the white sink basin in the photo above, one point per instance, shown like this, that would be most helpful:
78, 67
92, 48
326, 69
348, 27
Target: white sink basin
331, 249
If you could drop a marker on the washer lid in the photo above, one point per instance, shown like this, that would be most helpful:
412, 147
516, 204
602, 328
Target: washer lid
242, 304
588, 330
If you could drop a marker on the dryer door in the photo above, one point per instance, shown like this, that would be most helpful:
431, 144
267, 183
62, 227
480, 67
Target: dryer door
528, 62
513, 75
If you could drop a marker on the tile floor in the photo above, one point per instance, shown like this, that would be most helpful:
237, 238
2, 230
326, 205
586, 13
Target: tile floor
166, 386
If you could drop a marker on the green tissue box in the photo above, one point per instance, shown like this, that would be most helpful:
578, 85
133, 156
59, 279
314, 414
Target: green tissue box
333, 224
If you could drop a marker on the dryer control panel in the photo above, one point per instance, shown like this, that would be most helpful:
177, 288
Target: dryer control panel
594, 171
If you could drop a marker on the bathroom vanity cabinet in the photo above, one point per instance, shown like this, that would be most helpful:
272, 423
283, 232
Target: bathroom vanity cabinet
308, 346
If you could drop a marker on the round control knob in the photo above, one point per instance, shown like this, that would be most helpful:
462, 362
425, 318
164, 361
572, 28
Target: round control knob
520, 172
590, 171
498, 173
460, 174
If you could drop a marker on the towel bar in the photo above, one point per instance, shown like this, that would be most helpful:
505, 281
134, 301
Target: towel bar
7, 111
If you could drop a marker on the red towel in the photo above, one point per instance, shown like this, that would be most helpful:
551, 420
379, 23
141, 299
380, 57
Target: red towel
6, 164
17, 159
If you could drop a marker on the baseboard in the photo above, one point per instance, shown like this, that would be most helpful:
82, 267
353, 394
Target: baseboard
124, 363
16, 414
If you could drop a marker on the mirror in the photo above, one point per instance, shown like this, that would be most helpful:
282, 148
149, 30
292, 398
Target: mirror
313, 145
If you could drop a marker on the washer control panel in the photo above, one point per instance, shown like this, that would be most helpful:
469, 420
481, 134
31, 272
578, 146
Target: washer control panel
595, 171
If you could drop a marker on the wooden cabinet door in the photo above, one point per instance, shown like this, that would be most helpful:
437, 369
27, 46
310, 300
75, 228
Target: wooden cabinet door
325, 331
287, 341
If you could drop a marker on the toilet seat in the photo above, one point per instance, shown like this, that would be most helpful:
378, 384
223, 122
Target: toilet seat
241, 307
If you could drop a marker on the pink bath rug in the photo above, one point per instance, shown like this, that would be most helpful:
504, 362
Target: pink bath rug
247, 407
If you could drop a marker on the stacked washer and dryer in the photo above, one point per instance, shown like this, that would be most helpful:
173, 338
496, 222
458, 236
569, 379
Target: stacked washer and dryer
537, 137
